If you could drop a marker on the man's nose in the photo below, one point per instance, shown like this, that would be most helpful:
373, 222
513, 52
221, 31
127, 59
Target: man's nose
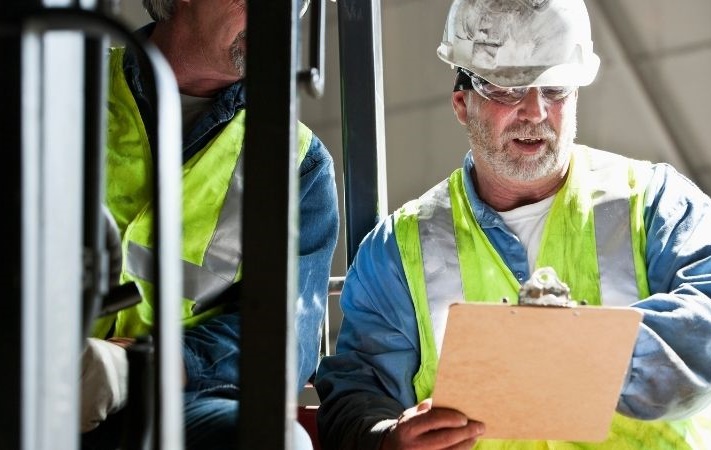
533, 107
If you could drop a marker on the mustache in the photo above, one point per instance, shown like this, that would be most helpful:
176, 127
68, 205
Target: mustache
528, 131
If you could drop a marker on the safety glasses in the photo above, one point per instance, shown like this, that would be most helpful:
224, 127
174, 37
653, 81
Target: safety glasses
513, 96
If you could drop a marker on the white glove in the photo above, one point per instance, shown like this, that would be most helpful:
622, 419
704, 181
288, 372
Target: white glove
104, 381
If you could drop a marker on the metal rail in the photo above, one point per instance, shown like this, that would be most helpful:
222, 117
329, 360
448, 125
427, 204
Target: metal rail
44, 422
363, 113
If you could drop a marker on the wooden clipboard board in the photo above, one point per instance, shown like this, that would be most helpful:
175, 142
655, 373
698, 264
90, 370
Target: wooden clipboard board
536, 373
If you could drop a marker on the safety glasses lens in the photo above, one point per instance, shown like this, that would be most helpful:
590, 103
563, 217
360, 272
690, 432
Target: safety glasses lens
557, 93
509, 96
512, 96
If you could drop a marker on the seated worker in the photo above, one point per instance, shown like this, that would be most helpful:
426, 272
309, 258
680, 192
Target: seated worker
204, 41
618, 231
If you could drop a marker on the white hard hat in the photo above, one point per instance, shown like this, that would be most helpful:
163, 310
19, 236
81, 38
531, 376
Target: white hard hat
515, 43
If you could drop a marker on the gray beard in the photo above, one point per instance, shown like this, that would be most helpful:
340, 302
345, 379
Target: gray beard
238, 53
517, 166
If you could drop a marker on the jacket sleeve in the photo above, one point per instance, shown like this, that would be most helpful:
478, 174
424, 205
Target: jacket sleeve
670, 371
368, 382
356, 421
318, 233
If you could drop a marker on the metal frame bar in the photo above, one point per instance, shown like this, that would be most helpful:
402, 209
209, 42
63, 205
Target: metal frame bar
12, 381
363, 112
267, 369
270, 125
30, 22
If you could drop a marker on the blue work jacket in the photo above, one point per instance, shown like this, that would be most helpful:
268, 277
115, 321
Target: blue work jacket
370, 377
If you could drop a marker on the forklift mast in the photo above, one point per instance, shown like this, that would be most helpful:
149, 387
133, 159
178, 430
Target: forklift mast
53, 126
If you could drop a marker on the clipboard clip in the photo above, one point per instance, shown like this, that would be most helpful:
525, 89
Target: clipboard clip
544, 288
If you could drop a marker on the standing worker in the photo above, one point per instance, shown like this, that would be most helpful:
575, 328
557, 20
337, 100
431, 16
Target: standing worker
618, 231
204, 41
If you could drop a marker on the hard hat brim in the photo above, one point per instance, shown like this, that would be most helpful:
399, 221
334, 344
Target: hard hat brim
558, 75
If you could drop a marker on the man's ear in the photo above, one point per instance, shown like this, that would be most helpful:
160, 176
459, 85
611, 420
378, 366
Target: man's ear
459, 104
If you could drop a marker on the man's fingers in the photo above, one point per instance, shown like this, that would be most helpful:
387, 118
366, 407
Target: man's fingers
424, 405
437, 418
123, 342
438, 428
457, 438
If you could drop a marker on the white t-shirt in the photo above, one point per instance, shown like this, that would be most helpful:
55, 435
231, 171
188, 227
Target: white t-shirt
527, 223
192, 108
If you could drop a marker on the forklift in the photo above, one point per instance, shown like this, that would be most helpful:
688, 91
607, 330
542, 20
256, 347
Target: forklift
54, 126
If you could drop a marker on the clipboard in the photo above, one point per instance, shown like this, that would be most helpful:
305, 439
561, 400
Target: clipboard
536, 373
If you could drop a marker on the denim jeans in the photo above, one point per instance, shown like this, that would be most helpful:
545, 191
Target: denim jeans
210, 423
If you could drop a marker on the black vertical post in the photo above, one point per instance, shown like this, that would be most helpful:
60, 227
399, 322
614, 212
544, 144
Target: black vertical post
96, 259
11, 331
362, 110
268, 397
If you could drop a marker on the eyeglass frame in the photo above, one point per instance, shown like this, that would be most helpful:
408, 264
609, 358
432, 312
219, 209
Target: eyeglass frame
467, 80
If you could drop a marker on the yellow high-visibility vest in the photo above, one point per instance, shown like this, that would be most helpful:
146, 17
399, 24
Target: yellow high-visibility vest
212, 185
595, 219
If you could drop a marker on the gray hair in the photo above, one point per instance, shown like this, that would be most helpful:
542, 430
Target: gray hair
159, 9
163, 9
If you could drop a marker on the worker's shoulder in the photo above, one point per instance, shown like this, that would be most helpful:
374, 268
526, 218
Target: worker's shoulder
600, 159
657, 178
600, 156
316, 156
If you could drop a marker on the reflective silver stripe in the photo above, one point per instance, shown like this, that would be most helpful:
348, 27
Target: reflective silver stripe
613, 230
198, 283
439, 256
222, 256
613, 240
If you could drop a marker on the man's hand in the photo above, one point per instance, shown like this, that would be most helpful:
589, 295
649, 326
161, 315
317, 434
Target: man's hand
425, 427
104, 380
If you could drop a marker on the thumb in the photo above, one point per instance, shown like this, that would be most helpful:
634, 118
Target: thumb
424, 405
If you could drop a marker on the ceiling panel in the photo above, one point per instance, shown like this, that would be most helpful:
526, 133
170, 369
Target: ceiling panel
666, 26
